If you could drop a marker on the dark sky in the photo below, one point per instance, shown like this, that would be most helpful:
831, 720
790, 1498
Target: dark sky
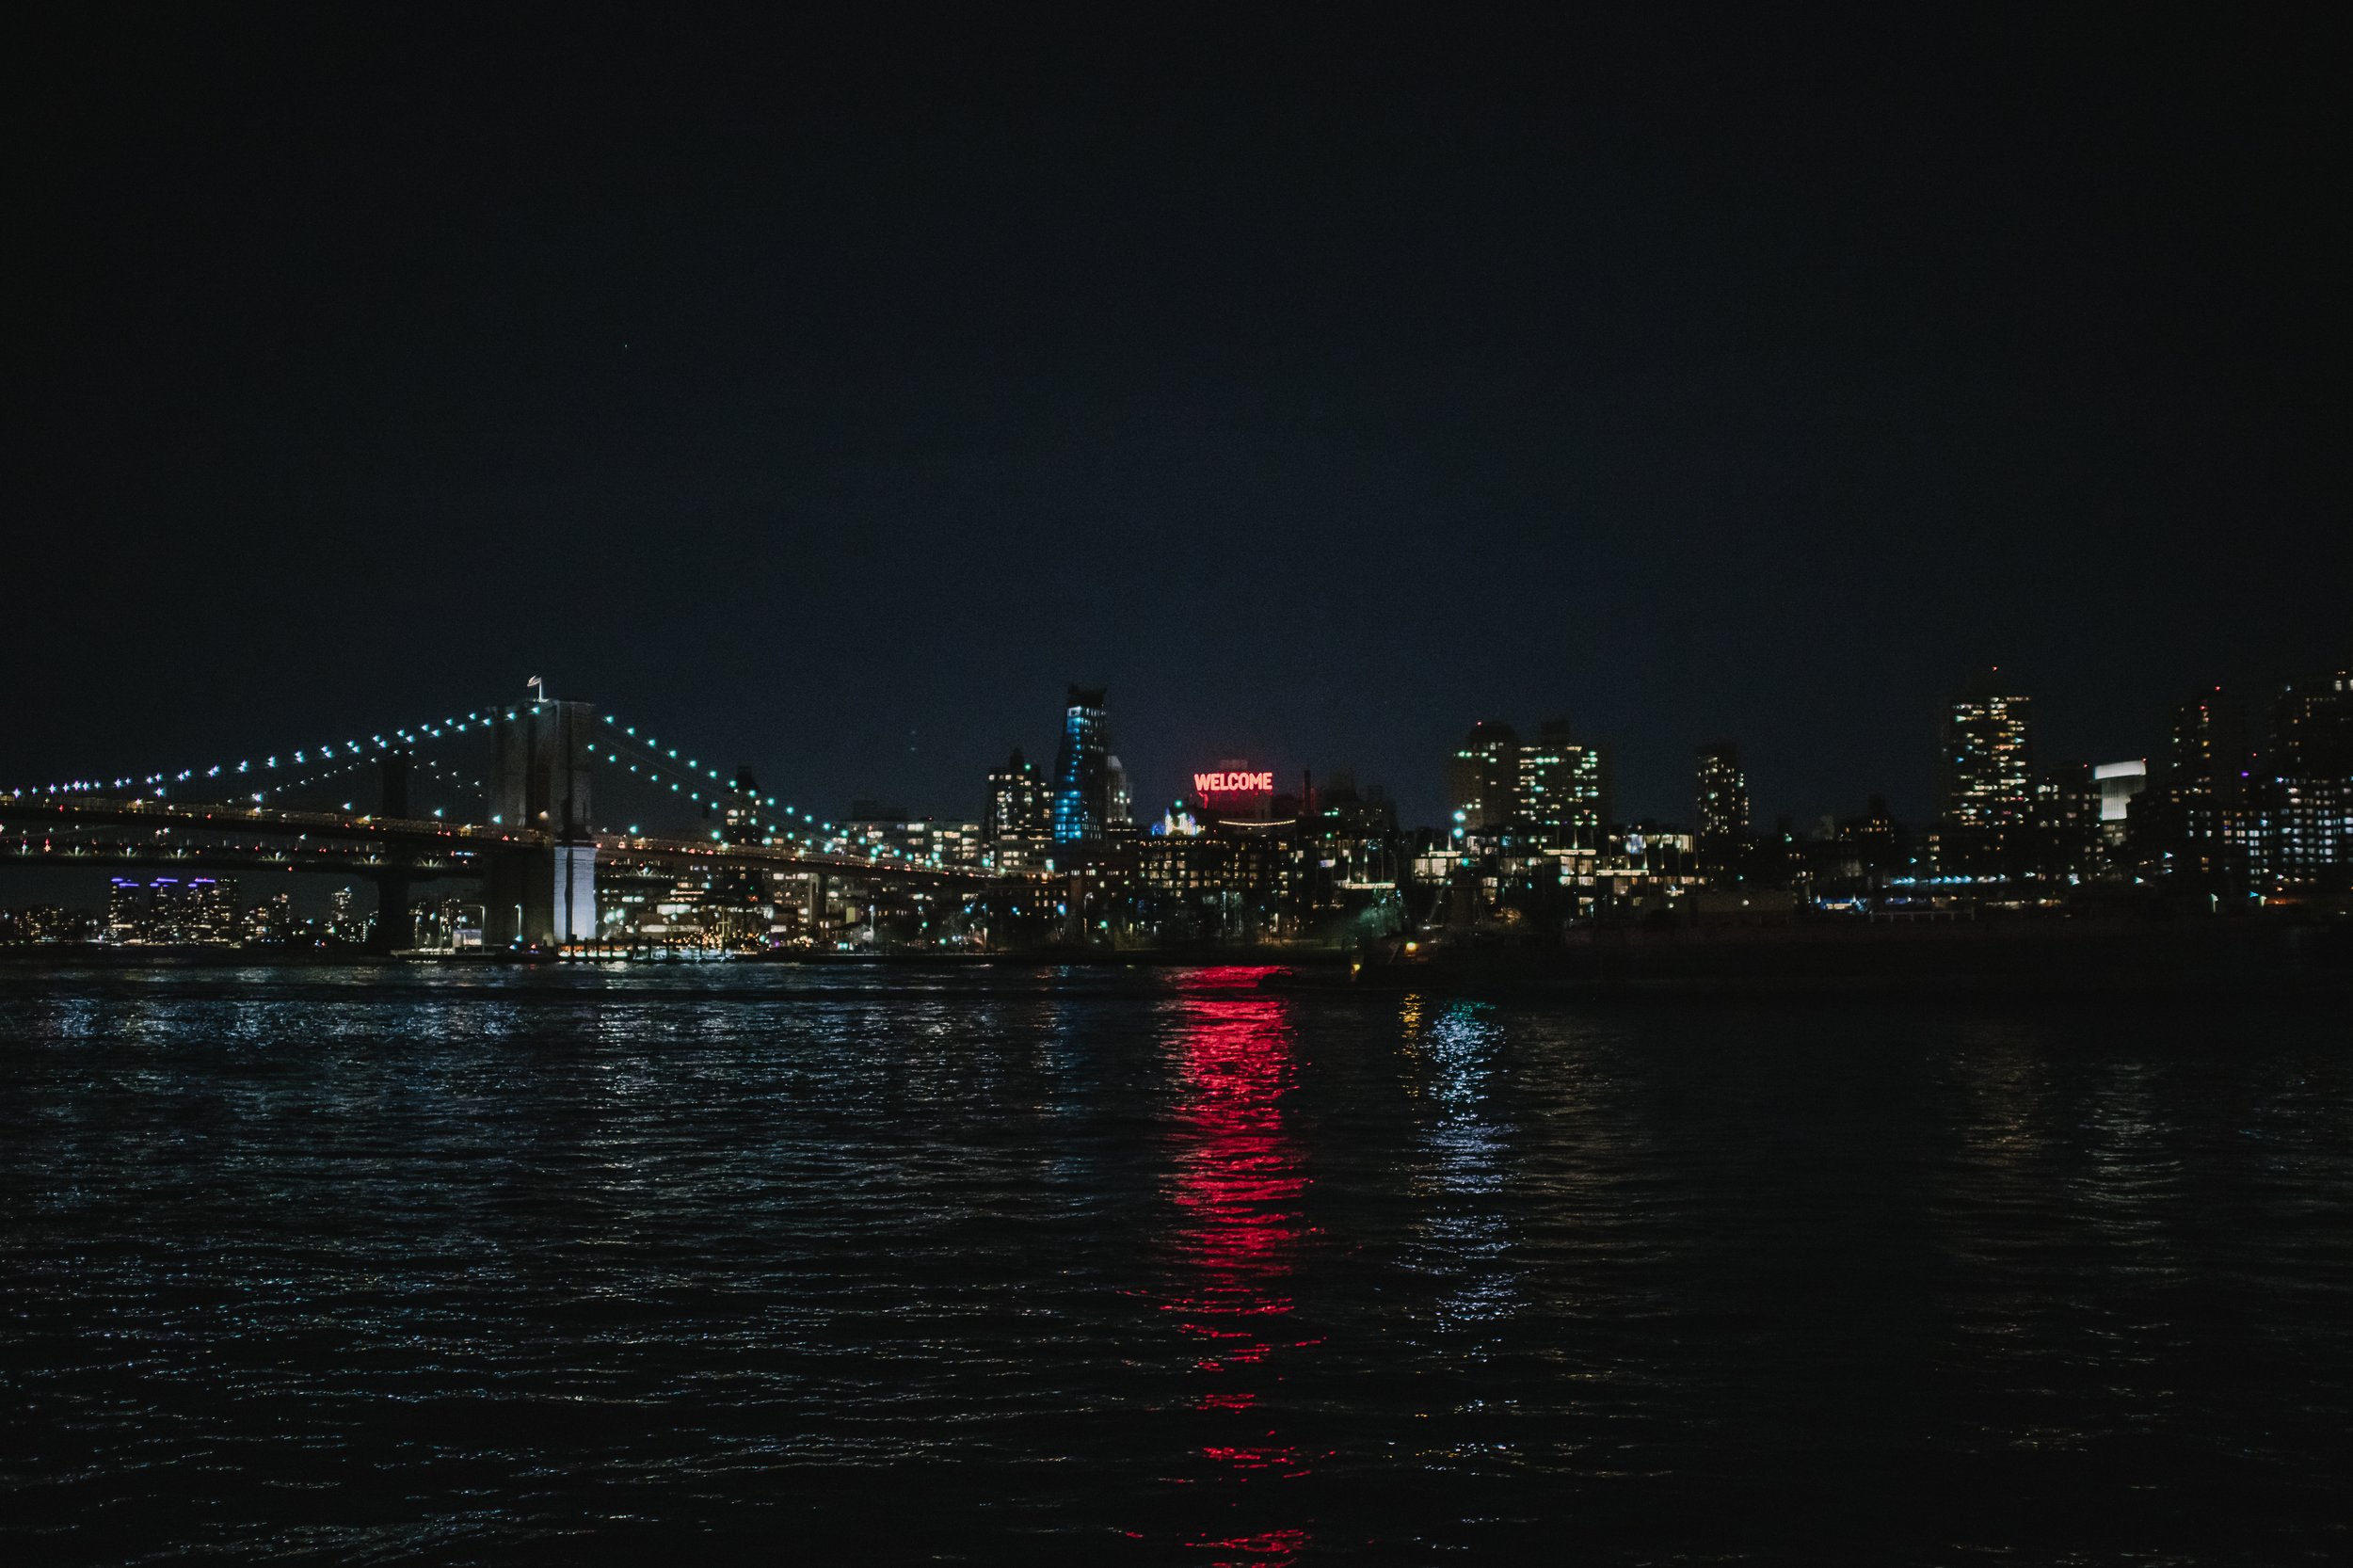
1318, 384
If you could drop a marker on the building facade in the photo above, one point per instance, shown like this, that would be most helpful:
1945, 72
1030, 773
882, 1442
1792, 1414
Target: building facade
1722, 800
1081, 803
1561, 799
1988, 756
1483, 779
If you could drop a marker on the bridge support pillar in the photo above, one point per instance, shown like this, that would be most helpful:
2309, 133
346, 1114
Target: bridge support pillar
395, 913
541, 897
546, 896
396, 921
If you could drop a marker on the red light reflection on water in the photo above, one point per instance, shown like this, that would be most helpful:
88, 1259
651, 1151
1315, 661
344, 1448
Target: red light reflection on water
1237, 1185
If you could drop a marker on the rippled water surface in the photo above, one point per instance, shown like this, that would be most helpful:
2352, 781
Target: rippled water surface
1003, 1265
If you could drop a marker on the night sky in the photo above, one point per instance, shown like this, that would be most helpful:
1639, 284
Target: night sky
1320, 384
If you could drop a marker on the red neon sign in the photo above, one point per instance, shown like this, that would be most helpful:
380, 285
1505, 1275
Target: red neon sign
1233, 783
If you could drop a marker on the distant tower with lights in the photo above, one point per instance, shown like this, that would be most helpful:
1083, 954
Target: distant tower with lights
1988, 759
1562, 795
1482, 777
1724, 806
1083, 769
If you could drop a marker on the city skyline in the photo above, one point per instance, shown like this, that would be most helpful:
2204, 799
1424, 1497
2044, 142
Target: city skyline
2247, 793
1440, 788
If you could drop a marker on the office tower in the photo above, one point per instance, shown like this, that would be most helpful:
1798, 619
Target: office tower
212, 909
1018, 806
1723, 805
2210, 747
1561, 790
271, 919
170, 910
2118, 783
345, 923
126, 911
1081, 780
1483, 778
2200, 825
2067, 839
1988, 760
2311, 728
2308, 784
1120, 802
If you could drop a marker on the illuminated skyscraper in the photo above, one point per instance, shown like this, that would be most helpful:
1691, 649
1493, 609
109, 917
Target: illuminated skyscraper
127, 907
1561, 794
1118, 799
1018, 807
2311, 728
1482, 779
212, 909
1082, 775
1989, 779
1723, 805
2308, 784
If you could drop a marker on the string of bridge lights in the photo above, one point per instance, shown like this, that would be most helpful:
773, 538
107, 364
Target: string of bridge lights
691, 770
682, 773
655, 760
159, 784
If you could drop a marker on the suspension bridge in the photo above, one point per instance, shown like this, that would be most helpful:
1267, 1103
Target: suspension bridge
536, 841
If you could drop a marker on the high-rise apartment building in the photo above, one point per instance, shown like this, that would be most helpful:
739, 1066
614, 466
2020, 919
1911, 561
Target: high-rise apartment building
2308, 784
126, 910
1561, 799
2203, 823
1483, 778
2211, 752
1019, 805
1081, 772
1119, 802
1723, 803
211, 910
1988, 760
1722, 793
2311, 728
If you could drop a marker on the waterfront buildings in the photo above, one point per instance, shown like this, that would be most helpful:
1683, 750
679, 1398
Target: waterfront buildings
892, 834
1988, 756
172, 911
2219, 819
1551, 792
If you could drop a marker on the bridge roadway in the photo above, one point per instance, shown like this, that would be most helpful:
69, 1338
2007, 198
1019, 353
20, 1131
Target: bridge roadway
435, 847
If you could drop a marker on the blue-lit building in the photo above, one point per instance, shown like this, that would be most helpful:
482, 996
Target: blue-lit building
1082, 771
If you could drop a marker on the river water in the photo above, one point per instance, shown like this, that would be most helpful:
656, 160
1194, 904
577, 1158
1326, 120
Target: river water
795, 1264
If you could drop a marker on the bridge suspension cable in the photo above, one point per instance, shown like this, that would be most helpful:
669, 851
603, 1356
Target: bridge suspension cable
160, 784
623, 746
688, 777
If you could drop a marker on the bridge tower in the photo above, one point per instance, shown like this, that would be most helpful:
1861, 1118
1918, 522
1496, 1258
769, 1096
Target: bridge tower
394, 920
546, 894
